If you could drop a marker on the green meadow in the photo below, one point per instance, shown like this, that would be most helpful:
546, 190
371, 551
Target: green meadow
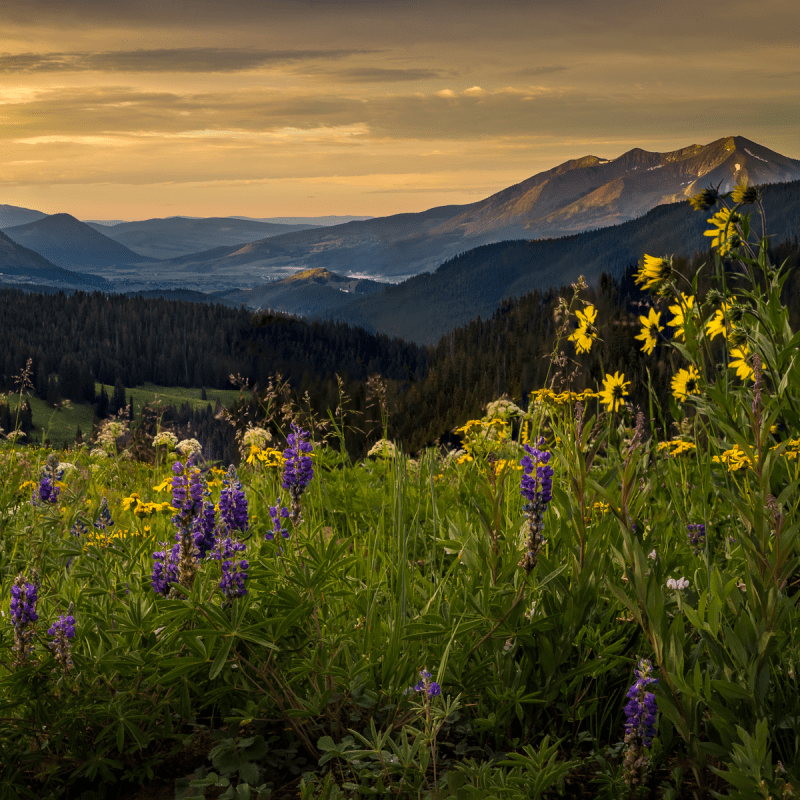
583, 600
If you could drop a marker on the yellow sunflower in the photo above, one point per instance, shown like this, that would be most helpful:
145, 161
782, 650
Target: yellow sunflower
684, 383
681, 310
719, 323
653, 271
725, 235
614, 389
585, 333
651, 326
744, 194
739, 361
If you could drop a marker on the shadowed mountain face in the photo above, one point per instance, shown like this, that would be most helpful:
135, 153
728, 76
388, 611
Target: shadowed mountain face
69, 243
579, 195
15, 215
313, 292
18, 265
425, 307
179, 236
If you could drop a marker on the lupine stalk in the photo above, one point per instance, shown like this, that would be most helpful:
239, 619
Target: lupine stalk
297, 470
23, 613
640, 713
234, 569
63, 631
233, 503
536, 487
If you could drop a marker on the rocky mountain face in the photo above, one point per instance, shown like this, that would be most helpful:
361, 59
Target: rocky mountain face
579, 195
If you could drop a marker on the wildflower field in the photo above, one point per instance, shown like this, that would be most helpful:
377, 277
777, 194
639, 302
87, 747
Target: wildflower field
586, 600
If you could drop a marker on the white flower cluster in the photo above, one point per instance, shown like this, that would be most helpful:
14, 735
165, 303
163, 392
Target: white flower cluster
165, 438
14, 435
678, 585
188, 447
258, 437
110, 431
502, 408
383, 448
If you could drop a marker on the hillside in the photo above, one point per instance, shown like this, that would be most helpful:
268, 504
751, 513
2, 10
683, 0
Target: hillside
425, 307
313, 292
20, 265
70, 243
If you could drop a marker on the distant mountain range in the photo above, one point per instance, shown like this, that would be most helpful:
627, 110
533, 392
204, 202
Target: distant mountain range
578, 195
620, 207
179, 236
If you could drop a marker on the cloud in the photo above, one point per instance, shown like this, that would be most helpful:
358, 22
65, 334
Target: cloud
382, 75
188, 59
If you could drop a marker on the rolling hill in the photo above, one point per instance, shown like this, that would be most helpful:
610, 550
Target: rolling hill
69, 243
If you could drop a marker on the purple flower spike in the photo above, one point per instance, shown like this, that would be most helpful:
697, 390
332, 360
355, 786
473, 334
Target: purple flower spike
165, 569
536, 487
233, 503
298, 469
62, 631
234, 571
23, 614
640, 724
277, 514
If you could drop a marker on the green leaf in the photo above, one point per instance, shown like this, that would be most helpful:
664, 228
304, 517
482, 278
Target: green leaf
222, 657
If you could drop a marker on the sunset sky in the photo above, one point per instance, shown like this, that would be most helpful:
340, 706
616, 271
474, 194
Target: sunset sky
269, 108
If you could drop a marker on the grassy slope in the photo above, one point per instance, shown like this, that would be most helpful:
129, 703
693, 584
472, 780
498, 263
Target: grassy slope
61, 425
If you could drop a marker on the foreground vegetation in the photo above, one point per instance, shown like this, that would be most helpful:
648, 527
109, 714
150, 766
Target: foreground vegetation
583, 600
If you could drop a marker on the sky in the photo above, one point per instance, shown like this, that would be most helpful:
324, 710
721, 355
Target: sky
135, 109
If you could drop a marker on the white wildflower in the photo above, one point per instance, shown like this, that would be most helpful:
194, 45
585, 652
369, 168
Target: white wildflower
383, 448
165, 438
188, 447
258, 437
678, 585
502, 408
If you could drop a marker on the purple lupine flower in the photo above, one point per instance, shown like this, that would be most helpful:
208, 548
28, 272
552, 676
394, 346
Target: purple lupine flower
187, 494
205, 529
234, 570
24, 596
536, 487
165, 569
103, 520
427, 685
48, 491
297, 469
696, 534
233, 503
640, 724
62, 631
278, 514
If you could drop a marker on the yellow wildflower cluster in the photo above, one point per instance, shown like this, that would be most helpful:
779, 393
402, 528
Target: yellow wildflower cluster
143, 509
792, 451
724, 235
268, 456
562, 398
677, 447
495, 429
100, 538
598, 509
734, 459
